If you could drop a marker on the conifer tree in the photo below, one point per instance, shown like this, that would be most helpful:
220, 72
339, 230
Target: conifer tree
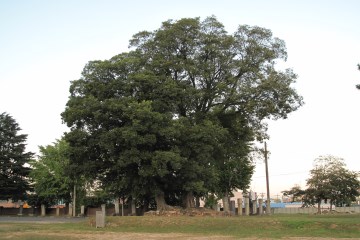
13, 158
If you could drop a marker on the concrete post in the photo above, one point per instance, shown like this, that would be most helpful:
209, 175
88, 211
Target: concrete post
103, 209
133, 208
261, 211
254, 207
117, 208
82, 210
247, 206
239, 202
57, 211
42, 210
20, 208
232, 207
122, 207
70, 209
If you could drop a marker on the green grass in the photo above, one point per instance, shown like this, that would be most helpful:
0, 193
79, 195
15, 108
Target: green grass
275, 226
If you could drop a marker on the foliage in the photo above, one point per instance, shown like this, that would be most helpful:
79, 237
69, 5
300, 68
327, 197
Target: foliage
331, 181
175, 117
49, 173
34, 200
296, 193
97, 199
13, 159
211, 201
346, 186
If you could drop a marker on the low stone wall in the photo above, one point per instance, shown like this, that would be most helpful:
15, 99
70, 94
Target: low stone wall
32, 211
294, 210
348, 209
63, 211
92, 211
313, 210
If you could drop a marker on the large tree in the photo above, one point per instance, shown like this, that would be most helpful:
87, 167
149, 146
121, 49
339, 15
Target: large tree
330, 181
222, 74
234, 163
175, 117
13, 159
117, 136
50, 174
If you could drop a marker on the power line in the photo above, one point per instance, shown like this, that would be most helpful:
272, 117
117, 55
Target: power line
282, 174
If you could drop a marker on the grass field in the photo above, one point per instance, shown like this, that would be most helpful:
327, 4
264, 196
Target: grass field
150, 227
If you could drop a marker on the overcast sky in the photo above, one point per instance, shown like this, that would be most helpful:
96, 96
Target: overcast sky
45, 44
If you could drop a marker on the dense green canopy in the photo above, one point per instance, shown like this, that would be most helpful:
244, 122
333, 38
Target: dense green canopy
331, 181
175, 117
13, 159
50, 175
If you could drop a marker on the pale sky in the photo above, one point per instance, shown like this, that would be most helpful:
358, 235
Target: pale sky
45, 44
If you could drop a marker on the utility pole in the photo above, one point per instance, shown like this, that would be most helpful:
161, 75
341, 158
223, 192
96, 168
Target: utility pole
268, 209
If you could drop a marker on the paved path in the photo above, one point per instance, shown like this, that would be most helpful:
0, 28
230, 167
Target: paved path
41, 219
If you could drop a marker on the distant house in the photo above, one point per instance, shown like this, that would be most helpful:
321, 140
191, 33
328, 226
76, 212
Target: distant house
11, 204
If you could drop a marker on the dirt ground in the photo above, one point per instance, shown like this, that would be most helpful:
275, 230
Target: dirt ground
110, 236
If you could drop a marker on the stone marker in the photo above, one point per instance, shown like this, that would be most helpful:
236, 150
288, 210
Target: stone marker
20, 208
117, 208
232, 207
103, 209
260, 211
42, 210
70, 209
133, 208
247, 207
254, 207
100, 219
82, 210
239, 202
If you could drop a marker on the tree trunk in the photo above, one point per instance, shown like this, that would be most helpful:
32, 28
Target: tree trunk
122, 206
226, 202
188, 200
145, 207
160, 201
197, 202
117, 206
331, 203
319, 207
74, 201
